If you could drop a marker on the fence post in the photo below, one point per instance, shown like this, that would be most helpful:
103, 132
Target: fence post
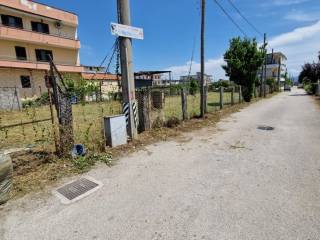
144, 110
62, 101
206, 98
65, 125
221, 97
184, 104
240, 94
232, 96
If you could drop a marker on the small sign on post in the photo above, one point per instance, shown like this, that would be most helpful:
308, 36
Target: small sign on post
126, 31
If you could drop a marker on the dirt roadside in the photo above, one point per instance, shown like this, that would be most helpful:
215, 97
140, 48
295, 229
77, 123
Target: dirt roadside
36, 170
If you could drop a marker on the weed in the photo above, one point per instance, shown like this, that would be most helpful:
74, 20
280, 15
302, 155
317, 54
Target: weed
83, 163
104, 158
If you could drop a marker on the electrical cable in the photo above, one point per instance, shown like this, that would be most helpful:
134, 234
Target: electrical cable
246, 19
230, 18
105, 58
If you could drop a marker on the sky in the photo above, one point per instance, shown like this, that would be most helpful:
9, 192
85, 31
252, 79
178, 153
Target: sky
172, 29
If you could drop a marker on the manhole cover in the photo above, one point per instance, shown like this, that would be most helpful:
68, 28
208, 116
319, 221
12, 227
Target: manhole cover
265, 128
77, 190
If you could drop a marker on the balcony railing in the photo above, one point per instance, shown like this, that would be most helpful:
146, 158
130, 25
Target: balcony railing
26, 35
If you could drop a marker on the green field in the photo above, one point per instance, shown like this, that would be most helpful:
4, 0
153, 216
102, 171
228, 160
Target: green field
88, 121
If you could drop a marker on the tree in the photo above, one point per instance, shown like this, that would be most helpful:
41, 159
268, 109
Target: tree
310, 76
310, 73
80, 88
244, 59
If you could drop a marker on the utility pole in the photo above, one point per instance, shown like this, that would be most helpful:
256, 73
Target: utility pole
265, 65
261, 94
279, 74
127, 74
202, 80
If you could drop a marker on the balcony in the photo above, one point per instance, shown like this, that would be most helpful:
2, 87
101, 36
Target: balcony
5, 63
23, 35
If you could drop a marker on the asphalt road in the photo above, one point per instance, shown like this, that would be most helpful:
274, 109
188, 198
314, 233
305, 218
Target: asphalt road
229, 182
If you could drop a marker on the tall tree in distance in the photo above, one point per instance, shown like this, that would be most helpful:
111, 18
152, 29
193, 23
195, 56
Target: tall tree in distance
243, 59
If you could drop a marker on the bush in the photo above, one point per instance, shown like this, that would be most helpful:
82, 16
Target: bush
41, 101
272, 84
194, 86
223, 83
310, 88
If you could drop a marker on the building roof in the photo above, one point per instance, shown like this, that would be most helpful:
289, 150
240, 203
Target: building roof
278, 54
150, 72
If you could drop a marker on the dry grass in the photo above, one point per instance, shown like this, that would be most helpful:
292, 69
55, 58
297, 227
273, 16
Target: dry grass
87, 121
36, 169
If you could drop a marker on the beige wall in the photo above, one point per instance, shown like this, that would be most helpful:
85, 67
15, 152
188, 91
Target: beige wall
41, 9
64, 31
60, 55
11, 78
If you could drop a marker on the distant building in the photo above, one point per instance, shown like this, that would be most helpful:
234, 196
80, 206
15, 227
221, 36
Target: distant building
30, 32
208, 78
109, 83
276, 67
93, 69
154, 78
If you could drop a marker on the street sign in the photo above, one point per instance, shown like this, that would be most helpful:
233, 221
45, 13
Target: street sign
126, 31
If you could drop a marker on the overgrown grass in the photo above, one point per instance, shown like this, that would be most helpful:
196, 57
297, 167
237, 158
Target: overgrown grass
88, 121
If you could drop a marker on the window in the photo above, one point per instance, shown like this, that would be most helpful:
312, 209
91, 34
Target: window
40, 27
12, 21
43, 55
25, 82
21, 53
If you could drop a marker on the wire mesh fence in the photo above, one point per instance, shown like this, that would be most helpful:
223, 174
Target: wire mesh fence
36, 124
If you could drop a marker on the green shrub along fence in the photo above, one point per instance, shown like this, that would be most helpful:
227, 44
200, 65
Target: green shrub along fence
36, 124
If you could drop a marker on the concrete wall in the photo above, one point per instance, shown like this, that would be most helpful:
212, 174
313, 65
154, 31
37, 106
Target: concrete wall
43, 10
110, 87
63, 31
60, 55
9, 99
11, 78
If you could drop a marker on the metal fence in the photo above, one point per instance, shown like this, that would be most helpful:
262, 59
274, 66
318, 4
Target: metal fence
35, 125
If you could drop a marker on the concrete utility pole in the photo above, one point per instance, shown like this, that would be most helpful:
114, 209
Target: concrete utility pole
279, 74
265, 65
127, 74
261, 94
202, 80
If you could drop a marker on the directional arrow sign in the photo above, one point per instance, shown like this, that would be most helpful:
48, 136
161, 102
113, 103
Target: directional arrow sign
126, 31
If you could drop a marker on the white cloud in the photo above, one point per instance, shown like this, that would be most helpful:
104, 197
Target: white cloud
213, 66
298, 35
300, 16
288, 2
300, 46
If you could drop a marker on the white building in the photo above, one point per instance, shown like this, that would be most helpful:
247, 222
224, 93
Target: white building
197, 76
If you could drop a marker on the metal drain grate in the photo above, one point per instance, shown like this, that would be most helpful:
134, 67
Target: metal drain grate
76, 190
265, 128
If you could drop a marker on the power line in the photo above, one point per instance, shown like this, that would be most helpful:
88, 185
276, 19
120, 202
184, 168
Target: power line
246, 19
105, 58
194, 42
230, 18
